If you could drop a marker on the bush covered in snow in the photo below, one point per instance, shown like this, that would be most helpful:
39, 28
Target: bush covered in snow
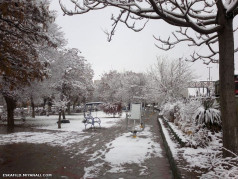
198, 111
195, 118
199, 138
208, 114
112, 108
168, 111
180, 110
21, 112
222, 168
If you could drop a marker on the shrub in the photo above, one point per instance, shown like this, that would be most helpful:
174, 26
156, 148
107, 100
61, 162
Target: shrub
112, 108
195, 119
220, 167
199, 138
209, 115
170, 110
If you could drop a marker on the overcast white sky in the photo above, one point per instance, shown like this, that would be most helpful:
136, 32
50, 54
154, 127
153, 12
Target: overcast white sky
128, 50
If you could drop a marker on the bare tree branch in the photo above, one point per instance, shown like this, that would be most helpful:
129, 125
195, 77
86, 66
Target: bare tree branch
185, 14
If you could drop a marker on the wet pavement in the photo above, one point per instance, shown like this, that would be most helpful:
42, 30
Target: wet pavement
85, 158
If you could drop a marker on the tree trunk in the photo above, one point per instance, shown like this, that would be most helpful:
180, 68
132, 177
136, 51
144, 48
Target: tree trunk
11, 105
74, 107
74, 103
68, 108
63, 114
59, 121
49, 110
227, 87
33, 114
44, 102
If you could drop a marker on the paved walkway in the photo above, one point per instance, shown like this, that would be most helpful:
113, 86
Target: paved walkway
75, 161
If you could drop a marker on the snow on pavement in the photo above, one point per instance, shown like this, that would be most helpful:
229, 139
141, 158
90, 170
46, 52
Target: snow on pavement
125, 150
118, 153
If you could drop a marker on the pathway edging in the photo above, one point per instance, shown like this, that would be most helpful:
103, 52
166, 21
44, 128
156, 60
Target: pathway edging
175, 170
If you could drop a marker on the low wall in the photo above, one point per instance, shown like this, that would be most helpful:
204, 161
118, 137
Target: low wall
175, 170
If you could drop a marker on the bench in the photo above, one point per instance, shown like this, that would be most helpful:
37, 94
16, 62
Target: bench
91, 121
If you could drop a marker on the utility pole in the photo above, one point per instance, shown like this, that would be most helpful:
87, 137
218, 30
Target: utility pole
209, 81
209, 73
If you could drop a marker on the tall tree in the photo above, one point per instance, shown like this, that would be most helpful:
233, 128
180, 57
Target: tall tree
23, 27
211, 19
108, 87
120, 87
71, 75
133, 85
168, 79
37, 91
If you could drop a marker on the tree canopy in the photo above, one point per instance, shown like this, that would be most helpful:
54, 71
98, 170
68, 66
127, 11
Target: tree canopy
23, 27
168, 80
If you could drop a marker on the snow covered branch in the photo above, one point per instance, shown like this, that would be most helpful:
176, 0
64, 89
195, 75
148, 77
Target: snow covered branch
184, 35
179, 13
200, 16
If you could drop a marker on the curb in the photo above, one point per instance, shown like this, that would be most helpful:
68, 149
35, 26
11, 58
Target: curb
175, 170
182, 143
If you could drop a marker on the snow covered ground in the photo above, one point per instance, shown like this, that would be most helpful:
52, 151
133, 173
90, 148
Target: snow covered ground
119, 152
125, 150
76, 121
69, 134
116, 152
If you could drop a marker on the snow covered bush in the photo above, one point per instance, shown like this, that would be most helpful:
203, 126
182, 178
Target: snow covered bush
3, 115
197, 134
112, 108
21, 112
188, 108
200, 137
78, 109
222, 168
183, 114
60, 102
40, 111
168, 111
180, 110
208, 114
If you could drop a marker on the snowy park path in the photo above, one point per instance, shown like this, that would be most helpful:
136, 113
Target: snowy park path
109, 152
